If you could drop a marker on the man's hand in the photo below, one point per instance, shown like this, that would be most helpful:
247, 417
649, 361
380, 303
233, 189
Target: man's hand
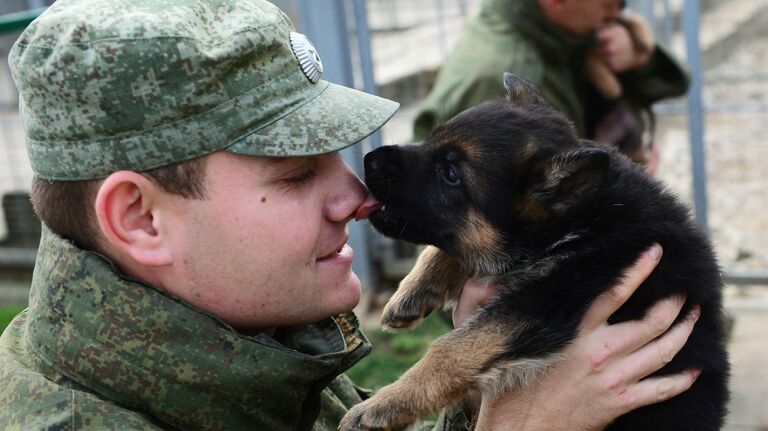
599, 376
618, 50
474, 295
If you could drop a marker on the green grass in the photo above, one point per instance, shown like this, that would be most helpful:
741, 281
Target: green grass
7, 313
393, 353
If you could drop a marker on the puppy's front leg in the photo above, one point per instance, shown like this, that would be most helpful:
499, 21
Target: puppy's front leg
435, 280
447, 372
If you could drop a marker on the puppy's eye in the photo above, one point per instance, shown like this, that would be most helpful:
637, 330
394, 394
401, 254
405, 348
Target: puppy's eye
451, 175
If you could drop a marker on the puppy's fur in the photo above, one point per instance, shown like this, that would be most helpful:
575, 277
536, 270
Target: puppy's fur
508, 192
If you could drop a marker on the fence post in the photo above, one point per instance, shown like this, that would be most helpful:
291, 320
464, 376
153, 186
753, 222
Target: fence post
326, 24
695, 110
363, 34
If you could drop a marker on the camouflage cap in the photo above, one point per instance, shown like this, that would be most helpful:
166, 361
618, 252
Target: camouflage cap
107, 85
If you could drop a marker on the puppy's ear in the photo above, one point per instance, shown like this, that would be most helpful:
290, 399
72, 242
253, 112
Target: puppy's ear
520, 90
572, 177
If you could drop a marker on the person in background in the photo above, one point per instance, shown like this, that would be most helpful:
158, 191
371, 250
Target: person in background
549, 42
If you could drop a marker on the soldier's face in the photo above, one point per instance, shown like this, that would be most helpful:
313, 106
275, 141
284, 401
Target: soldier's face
268, 247
584, 16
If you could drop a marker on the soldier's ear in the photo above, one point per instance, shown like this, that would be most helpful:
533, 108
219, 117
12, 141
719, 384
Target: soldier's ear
520, 90
131, 220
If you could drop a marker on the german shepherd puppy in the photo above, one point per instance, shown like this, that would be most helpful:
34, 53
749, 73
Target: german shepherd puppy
506, 191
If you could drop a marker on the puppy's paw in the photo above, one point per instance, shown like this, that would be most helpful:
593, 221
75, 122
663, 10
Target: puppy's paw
368, 415
405, 312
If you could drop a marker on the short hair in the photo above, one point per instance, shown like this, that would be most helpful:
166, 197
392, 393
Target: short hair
67, 207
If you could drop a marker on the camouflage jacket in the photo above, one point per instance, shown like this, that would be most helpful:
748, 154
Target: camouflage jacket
514, 36
96, 350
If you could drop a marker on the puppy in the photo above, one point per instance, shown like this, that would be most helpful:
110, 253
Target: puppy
600, 74
506, 191
612, 119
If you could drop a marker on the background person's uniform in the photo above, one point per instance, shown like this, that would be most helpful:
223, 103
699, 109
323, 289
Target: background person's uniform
107, 85
514, 36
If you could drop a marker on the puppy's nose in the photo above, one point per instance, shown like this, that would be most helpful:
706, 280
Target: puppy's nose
383, 171
386, 157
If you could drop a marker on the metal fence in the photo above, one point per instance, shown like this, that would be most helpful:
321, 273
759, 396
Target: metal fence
19, 228
395, 47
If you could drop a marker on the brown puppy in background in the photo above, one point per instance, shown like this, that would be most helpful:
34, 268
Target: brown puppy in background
618, 121
600, 74
507, 192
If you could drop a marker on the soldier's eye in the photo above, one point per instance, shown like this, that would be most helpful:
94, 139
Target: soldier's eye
301, 178
451, 176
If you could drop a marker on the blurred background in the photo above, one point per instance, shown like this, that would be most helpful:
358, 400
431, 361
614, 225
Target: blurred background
712, 142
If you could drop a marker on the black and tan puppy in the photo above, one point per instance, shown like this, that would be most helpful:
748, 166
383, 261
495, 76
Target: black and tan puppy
507, 191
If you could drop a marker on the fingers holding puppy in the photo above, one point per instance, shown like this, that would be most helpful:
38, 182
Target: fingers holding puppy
475, 294
654, 356
623, 355
627, 337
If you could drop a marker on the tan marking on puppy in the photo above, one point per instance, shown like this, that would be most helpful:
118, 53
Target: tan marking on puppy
434, 282
514, 373
530, 149
473, 157
480, 246
447, 372
478, 234
532, 210
470, 150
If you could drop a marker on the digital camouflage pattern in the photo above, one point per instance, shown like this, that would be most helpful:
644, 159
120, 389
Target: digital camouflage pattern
96, 351
107, 85
514, 36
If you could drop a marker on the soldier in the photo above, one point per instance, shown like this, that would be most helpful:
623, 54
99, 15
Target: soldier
547, 42
193, 272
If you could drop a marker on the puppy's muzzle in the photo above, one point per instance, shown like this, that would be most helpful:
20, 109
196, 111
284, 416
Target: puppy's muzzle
383, 171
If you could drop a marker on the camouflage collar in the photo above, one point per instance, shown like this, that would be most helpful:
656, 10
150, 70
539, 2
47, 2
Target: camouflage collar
526, 16
134, 344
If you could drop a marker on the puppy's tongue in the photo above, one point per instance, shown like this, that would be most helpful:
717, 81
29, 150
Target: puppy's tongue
370, 205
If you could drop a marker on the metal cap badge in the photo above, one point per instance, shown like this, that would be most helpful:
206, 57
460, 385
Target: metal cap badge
309, 59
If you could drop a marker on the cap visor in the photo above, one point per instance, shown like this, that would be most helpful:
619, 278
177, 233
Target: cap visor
334, 119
